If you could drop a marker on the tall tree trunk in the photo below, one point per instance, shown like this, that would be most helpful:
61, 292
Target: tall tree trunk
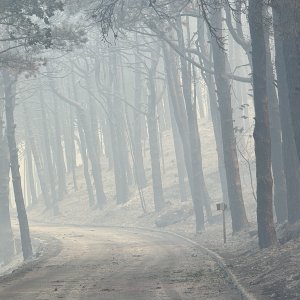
184, 131
73, 149
214, 109
37, 159
92, 105
83, 146
176, 137
66, 135
262, 137
108, 143
6, 235
289, 12
48, 155
195, 143
237, 208
95, 161
159, 201
116, 123
85, 162
60, 161
137, 140
280, 199
30, 175
92, 152
59, 156
14, 165
291, 162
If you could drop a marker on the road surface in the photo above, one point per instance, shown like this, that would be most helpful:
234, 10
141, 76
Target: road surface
117, 264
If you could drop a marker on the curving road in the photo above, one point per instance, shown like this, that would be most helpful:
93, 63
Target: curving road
117, 264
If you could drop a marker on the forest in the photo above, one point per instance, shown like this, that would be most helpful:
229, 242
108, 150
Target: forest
180, 117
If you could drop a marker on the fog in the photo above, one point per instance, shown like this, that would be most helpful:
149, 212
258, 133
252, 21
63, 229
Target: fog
149, 149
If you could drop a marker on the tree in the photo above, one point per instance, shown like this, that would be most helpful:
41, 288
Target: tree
266, 228
14, 165
26, 30
159, 201
288, 13
291, 162
6, 234
237, 208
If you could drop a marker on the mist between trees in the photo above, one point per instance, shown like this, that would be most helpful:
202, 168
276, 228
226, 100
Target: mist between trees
87, 83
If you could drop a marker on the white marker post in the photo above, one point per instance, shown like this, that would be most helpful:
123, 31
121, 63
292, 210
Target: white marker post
222, 207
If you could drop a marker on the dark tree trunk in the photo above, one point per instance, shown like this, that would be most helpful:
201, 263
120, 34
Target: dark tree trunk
280, 199
6, 235
291, 162
262, 137
237, 208
289, 20
14, 165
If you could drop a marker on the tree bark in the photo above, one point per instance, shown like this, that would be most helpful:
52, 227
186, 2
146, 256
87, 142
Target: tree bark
289, 18
6, 235
291, 162
262, 137
14, 165
280, 200
214, 109
198, 188
237, 208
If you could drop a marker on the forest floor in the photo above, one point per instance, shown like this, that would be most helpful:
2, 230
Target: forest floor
268, 274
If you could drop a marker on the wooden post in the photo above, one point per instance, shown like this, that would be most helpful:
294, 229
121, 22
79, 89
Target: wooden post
223, 207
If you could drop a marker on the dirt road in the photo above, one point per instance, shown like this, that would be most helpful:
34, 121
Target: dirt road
118, 264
